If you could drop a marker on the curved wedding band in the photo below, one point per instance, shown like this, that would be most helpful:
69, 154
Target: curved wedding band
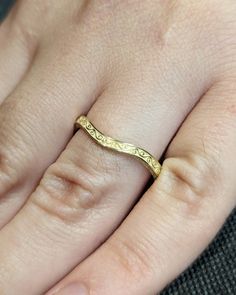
108, 142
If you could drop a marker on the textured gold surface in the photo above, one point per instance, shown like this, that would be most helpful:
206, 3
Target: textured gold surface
108, 142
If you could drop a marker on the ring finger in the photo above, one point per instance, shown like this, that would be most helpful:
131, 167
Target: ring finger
87, 192
179, 215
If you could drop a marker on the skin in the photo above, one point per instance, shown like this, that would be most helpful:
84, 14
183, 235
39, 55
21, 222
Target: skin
76, 217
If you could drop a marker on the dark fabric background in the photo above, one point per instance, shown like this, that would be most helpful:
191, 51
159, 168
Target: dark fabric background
214, 273
4, 6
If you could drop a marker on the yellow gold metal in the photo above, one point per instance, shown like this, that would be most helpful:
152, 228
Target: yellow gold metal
108, 142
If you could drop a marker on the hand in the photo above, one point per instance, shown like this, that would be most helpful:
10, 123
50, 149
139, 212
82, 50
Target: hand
156, 74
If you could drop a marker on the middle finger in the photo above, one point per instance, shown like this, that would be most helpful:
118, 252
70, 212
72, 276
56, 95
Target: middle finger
40, 110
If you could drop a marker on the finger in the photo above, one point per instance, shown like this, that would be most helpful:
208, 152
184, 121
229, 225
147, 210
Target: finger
19, 37
36, 120
17, 48
87, 192
179, 215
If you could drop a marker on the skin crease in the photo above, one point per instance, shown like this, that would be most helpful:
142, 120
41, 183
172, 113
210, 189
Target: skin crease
158, 74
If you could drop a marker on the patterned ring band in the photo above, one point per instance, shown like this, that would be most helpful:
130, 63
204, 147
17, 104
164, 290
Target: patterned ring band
146, 158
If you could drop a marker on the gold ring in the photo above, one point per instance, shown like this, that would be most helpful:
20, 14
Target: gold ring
108, 142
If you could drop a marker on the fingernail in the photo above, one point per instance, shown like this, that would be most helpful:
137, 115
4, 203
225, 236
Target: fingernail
73, 289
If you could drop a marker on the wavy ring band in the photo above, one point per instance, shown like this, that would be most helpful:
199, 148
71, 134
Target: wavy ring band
108, 142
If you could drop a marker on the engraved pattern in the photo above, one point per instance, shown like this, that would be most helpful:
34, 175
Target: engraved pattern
147, 159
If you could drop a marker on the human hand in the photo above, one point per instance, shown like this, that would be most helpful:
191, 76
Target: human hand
145, 72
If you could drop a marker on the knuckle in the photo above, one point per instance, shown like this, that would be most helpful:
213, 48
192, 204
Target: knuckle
15, 156
133, 259
68, 191
190, 179
9, 177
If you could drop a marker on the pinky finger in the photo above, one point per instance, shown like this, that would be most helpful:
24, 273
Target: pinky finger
178, 216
